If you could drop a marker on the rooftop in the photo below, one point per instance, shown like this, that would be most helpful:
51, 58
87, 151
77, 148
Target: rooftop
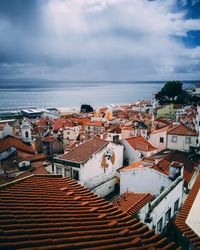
131, 203
50, 212
84, 151
181, 129
140, 143
17, 143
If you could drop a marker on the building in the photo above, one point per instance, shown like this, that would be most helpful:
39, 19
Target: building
137, 147
26, 131
71, 133
52, 145
182, 138
93, 163
9, 145
158, 137
94, 127
31, 113
167, 191
50, 212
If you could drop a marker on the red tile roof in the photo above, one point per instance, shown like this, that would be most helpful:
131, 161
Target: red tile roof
94, 123
140, 143
84, 151
131, 203
180, 221
181, 129
50, 212
17, 143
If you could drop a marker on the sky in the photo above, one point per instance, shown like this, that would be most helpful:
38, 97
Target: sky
100, 40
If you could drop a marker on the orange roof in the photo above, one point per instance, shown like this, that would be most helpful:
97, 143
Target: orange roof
17, 143
163, 129
136, 164
84, 151
180, 221
181, 129
95, 123
140, 143
131, 203
50, 212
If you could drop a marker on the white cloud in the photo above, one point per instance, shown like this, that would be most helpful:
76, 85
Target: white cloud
107, 40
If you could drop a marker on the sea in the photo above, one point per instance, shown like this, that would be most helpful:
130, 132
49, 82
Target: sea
65, 94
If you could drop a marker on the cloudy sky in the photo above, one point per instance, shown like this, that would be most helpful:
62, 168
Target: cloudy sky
100, 40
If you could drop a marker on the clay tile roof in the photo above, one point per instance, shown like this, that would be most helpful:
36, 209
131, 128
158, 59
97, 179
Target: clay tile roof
17, 143
50, 212
131, 203
95, 123
180, 221
140, 143
181, 129
84, 151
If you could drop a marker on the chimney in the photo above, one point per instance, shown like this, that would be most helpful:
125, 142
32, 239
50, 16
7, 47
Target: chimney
175, 170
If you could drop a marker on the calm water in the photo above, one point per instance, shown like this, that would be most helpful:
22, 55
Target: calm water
75, 94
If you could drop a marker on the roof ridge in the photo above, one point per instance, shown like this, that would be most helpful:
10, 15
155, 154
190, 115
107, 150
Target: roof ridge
28, 177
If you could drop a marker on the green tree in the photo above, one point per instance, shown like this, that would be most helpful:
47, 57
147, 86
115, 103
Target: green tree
172, 89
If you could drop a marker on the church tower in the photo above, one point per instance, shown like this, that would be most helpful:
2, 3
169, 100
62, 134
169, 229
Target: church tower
26, 131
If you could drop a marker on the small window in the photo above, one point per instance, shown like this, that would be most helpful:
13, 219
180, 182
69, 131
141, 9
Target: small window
176, 204
161, 139
188, 140
76, 175
160, 225
26, 134
174, 138
67, 172
58, 170
167, 216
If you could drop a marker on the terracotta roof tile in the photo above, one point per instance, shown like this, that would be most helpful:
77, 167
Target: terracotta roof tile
181, 129
17, 143
140, 143
131, 203
84, 151
38, 212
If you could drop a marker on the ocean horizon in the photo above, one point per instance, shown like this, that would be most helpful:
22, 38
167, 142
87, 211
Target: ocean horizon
65, 94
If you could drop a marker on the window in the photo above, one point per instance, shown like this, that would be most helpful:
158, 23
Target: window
176, 206
188, 140
174, 138
161, 139
58, 170
76, 175
160, 225
67, 172
26, 134
167, 216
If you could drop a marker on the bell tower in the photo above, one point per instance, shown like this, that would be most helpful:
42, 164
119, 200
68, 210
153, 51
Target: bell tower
26, 131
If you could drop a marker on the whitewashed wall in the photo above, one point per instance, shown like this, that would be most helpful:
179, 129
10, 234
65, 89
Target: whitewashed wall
181, 144
130, 155
163, 206
143, 180
93, 166
155, 140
